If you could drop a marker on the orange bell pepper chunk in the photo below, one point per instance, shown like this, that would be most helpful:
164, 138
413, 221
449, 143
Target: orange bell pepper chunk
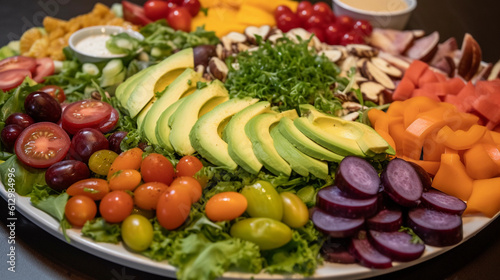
485, 197
430, 166
415, 106
460, 139
495, 136
452, 178
479, 164
432, 149
396, 109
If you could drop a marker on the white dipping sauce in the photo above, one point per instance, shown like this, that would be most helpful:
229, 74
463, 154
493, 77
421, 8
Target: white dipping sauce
94, 45
377, 5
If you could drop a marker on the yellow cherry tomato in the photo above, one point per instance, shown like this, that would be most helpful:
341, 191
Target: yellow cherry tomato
226, 206
295, 212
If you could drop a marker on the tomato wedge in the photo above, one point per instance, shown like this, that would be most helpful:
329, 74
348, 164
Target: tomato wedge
55, 91
134, 13
85, 114
42, 144
18, 62
10, 79
44, 67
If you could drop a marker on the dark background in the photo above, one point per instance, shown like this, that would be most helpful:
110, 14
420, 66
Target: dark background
41, 256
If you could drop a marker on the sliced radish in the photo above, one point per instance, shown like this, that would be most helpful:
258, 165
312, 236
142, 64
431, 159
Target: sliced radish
334, 226
443, 202
396, 245
425, 178
367, 255
357, 177
385, 220
332, 200
402, 183
336, 250
436, 228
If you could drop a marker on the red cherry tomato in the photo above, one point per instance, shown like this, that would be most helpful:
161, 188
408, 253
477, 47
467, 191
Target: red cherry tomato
345, 23
304, 14
322, 9
303, 5
173, 208
188, 184
80, 209
193, 6
315, 21
176, 2
281, 9
110, 124
155, 9
116, 206
188, 166
318, 32
352, 37
55, 91
146, 195
44, 67
157, 168
85, 114
134, 13
10, 79
18, 62
179, 18
42, 144
333, 34
364, 27
286, 22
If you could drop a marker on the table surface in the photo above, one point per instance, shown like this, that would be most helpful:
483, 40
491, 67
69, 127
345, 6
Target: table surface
41, 256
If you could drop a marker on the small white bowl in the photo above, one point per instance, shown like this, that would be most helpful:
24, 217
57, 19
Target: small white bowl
84, 55
390, 20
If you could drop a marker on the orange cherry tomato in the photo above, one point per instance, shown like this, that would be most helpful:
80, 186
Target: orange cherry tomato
157, 168
116, 206
125, 180
226, 206
94, 188
146, 195
130, 159
80, 209
188, 184
173, 208
188, 166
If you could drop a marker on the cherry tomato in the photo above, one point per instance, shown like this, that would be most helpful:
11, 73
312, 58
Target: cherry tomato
176, 2
287, 22
364, 27
18, 62
134, 13
173, 208
179, 18
100, 161
295, 212
130, 159
94, 188
345, 23
85, 114
265, 232
352, 37
304, 14
146, 195
281, 9
315, 21
80, 209
116, 206
137, 232
193, 6
110, 124
303, 5
318, 32
10, 79
21, 119
125, 180
226, 206
55, 91
263, 200
188, 166
44, 67
42, 144
188, 184
333, 34
157, 168
322, 9
155, 9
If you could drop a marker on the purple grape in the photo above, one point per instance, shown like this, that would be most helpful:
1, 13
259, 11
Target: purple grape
9, 135
42, 107
63, 174
21, 119
115, 140
86, 142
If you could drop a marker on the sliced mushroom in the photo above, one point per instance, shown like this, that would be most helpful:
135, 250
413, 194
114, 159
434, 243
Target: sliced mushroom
332, 55
386, 67
394, 60
235, 37
361, 50
424, 48
418, 33
483, 72
471, 58
447, 65
375, 74
445, 48
349, 62
372, 91
252, 31
218, 69
351, 116
495, 71
391, 41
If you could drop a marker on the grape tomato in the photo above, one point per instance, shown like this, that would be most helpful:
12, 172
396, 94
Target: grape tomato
18, 62
44, 67
286, 22
193, 6
116, 206
179, 18
282, 9
156, 9
295, 212
130, 159
11, 79
146, 195
94, 188
137, 232
225, 206
100, 161
189, 185
265, 232
188, 166
80, 209
263, 200
125, 180
173, 208
157, 168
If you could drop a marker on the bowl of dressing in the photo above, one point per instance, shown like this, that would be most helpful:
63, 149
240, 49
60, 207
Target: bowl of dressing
89, 44
390, 14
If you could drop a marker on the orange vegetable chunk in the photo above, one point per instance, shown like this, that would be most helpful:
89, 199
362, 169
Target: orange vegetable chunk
130, 159
430, 166
460, 139
415, 71
404, 90
479, 164
485, 197
427, 77
452, 178
454, 85
466, 96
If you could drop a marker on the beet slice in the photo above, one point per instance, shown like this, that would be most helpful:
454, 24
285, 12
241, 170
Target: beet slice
436, 228
425, 178
386, 220
396, 245
337, 251
335, 226
332, 200
443, 202
357, 177
402, 183
367, 255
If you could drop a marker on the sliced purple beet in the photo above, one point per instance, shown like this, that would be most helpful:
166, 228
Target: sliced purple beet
443, 202
332, 200
436, 228
336, 250
335, 226
385, 220
357, 178
367, 255
425, 178
396, 245
402, 183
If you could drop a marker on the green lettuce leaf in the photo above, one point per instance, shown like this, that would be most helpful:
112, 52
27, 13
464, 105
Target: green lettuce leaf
101, 231
15, 101
25, 177
49, 201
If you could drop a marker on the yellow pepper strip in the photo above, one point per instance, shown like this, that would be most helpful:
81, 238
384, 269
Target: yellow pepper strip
479, 164
460, 139
485, 197
452, 178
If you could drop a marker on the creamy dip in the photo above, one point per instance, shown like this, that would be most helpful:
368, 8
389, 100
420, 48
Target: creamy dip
94, 45
377, 5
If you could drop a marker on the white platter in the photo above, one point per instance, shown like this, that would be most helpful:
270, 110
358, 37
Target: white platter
118, 254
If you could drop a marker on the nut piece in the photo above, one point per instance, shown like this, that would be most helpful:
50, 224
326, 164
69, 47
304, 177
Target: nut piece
362, 50
97, 96
495, 71
217, 69
394, 60
252, 31
372, 91
235, 37
424, 48
373, 73
471, 58
332, 55
386, 67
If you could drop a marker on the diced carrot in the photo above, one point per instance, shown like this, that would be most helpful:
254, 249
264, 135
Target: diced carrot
430, 166
404, 90
488, 87
426, 93
427, 77
441, 77
415, 71
485, 197
454, 85
478, 163
452, 178
439, 89
466, 96
460, 139
488, 106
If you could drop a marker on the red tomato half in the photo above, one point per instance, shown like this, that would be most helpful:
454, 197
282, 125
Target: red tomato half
85, 114
44, 68
42, 144
18, 62
134, 13
10, 79
110, 124
55, 91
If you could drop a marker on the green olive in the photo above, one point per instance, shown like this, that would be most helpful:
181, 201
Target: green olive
101, 161
263, 200
265, 232
137, 232
295, 212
